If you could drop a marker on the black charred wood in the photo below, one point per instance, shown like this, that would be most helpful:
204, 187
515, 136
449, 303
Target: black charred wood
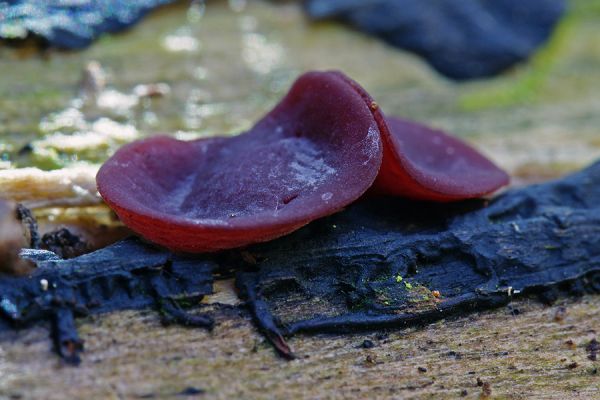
127, 275
392, 263
381, 263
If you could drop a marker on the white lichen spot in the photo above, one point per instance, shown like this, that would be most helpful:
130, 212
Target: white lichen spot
8, 307
516, 227
71, 117
112, 99
181, 41
510, 291
326, 196
261, 55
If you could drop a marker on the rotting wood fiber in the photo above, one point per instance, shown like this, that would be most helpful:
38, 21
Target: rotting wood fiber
389, 263
381, 263
126, 275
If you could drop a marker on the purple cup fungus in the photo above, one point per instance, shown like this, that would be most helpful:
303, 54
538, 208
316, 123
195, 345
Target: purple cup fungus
321, 148
317, 151
427, 164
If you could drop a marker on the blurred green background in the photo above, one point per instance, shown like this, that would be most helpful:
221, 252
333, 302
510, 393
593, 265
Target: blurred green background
228, 63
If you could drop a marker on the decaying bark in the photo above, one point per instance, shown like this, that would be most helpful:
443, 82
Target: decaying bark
12, 239
35, 188
127, 275
381, 263
393, 263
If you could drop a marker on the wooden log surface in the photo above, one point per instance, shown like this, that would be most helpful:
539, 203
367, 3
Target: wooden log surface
538, 121
524, 351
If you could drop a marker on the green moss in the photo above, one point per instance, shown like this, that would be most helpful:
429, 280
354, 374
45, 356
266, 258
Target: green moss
47, 159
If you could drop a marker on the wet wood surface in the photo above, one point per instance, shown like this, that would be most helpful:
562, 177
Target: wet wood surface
524, 351
538, 122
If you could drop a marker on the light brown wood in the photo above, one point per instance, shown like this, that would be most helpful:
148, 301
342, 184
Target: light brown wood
539, 353
538, 121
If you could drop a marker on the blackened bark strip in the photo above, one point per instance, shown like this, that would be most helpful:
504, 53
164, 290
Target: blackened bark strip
593, 348
126, 275
66, 340
26, 217
387, 262
381, 263
264, 319
174, 314
364, 320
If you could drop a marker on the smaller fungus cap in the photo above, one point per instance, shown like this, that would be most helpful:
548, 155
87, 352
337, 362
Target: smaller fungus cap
427, 164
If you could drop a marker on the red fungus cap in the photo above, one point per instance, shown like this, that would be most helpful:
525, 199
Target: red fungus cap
317, 151
427, 164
